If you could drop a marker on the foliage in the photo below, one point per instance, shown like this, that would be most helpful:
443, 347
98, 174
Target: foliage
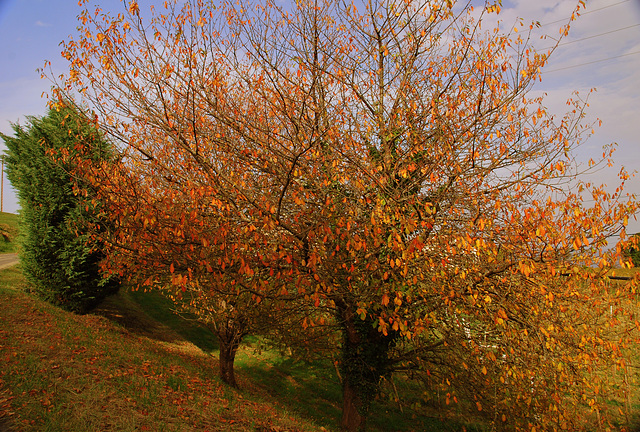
632, 251
376, 173
57, 256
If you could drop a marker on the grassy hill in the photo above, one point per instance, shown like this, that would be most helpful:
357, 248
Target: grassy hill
133, 365
8, 233
85, 373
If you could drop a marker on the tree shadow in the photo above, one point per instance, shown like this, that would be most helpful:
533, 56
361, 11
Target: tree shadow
120, 309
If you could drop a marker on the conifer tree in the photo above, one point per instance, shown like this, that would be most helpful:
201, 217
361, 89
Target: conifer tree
57, 257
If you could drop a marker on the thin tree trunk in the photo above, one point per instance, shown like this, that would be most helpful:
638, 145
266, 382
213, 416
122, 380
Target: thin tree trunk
230, 334
228, 350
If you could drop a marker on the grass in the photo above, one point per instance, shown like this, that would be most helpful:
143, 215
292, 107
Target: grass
310, 389
160, 309
84, 373
135, 365
8, 232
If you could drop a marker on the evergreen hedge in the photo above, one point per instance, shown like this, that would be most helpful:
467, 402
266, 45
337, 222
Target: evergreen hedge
58, 257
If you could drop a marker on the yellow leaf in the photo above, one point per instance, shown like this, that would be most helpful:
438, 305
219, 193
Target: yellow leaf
484, 370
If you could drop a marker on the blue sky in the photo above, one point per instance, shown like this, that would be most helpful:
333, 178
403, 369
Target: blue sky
602, 52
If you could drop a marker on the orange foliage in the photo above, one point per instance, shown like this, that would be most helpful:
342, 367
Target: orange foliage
380, 164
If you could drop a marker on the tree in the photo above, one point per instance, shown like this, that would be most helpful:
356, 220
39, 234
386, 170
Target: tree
631, 251
57, 256
378, 169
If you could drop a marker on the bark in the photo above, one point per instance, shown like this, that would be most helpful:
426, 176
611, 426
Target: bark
364, 363
352, 420
230, 335
228, 352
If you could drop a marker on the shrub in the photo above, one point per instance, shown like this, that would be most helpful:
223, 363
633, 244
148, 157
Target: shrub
58, 257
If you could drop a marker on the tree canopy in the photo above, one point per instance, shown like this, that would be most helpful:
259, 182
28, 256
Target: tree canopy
376, 174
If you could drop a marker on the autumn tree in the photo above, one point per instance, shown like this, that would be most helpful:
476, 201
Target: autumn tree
378, 168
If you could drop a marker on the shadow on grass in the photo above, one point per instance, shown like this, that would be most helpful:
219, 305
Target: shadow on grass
151, 315
311, 389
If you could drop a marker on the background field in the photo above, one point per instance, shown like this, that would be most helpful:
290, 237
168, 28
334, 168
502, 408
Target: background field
8, 233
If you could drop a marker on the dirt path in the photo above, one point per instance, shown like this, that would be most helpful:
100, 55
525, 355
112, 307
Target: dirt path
8, 260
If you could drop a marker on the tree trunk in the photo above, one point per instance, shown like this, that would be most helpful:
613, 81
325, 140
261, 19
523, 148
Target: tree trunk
365, 360
230, 334
228, 351
352, 420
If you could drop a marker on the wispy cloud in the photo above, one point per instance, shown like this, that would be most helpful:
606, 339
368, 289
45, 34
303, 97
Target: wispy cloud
42, 24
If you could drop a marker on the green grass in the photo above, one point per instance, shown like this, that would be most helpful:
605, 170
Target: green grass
12, 279
120, 369
310, 389
136, 365
8, 232
160, 309
64, 372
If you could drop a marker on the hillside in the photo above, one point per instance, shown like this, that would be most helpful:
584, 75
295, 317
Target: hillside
134, 365
8, 232
120, 369
67, 372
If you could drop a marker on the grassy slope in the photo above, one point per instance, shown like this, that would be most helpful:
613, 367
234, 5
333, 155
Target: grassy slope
9, 225
123, 370
84, 373
310, 389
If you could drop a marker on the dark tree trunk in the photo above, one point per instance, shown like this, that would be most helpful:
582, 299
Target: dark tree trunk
230, 334
365, 360
352, 420
227, 357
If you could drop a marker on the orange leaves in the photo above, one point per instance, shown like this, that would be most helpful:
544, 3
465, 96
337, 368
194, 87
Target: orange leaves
427, 196
526, 268
134, 9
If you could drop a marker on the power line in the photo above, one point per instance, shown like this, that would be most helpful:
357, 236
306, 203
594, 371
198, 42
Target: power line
587, 12
598, 35
592, 62
594, 36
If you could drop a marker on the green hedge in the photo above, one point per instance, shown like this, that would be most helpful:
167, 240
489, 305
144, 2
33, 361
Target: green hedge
58, 256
